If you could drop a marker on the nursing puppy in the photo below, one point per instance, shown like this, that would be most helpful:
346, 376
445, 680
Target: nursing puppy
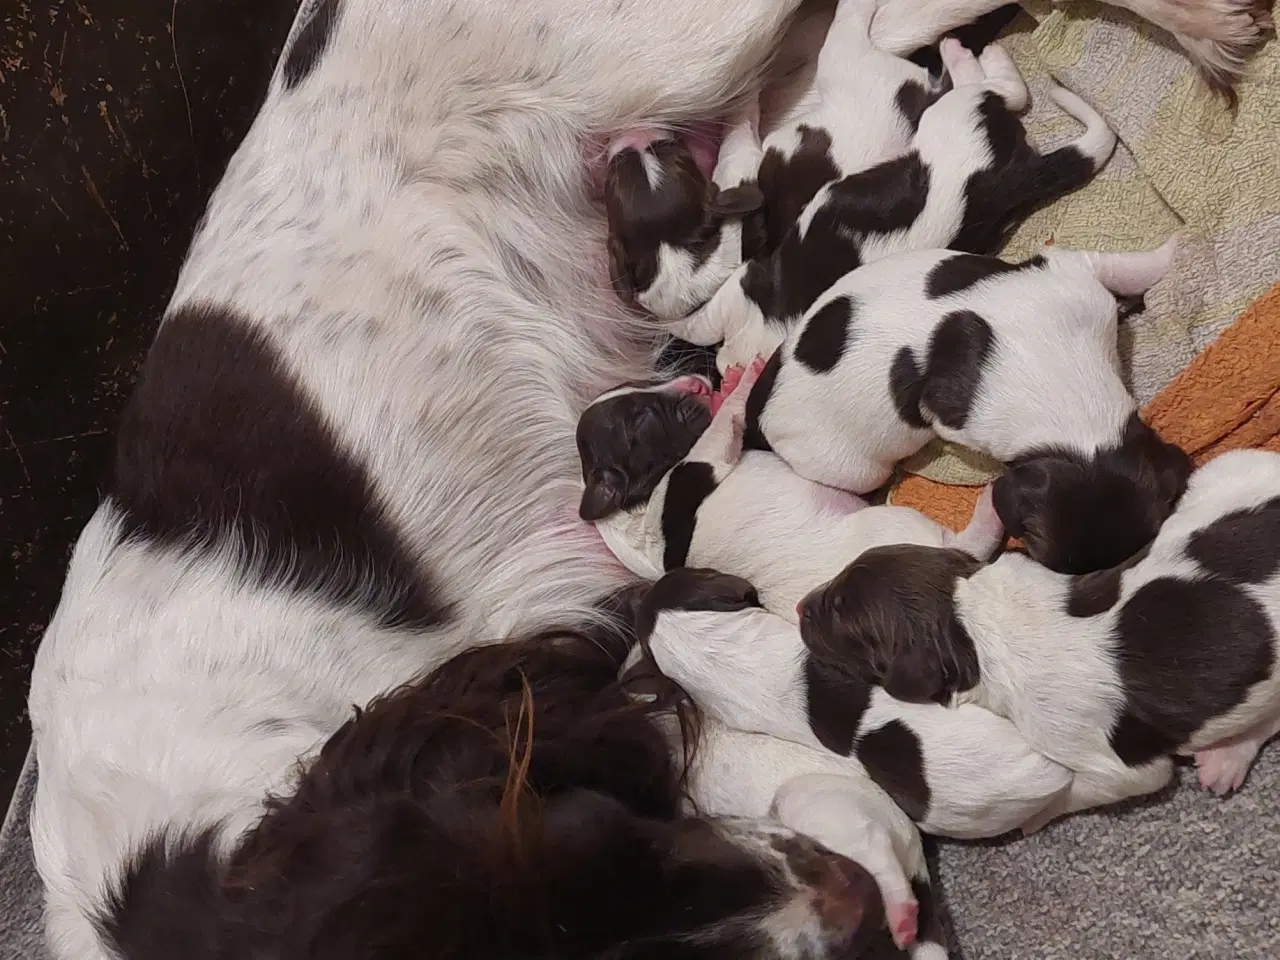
674, 233
1018, 361
670, 243
969, 177
1176, 651
665, 490
962, 773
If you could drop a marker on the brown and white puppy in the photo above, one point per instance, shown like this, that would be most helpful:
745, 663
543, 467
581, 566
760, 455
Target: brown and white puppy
962, 773
1017, 360
1176, 651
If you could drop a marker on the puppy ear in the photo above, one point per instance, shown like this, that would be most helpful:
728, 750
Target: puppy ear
1005, 499
736, 201
605, 493
916, 675
687, 588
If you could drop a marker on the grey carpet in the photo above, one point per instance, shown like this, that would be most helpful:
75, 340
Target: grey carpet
1187, 877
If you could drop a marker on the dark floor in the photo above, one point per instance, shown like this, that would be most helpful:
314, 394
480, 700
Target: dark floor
116, 119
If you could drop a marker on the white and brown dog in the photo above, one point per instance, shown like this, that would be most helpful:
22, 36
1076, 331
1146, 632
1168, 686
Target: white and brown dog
1176, 651
349, 459
962, 772
666, 490
1017, 360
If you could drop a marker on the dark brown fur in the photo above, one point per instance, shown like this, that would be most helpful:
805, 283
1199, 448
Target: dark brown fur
687, 211
889, 619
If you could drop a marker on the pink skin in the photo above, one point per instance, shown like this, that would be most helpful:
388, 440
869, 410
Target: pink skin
1224, 766
903, 922
703, 140
732, 377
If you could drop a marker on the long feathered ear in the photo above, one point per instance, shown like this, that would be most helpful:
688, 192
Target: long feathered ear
605, 493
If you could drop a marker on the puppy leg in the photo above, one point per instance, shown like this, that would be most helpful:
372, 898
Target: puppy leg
826, 807
721, 443
1132, 272
720, 317
1003, 78
962, 66
1097, 788
1224, 766
985, 532
901, 27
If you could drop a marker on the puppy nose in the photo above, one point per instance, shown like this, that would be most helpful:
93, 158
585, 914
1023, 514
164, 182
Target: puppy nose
800, 609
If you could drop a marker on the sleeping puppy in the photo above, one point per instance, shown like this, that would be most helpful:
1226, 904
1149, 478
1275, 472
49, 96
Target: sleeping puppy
1018, 361
962, 773
664, 493
674, 234
1176, 651
969, 177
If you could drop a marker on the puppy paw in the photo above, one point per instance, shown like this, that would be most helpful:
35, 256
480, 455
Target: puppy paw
1223, 769
730, 379
962, 66
903, 918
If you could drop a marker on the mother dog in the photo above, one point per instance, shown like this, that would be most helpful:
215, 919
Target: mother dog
350, 457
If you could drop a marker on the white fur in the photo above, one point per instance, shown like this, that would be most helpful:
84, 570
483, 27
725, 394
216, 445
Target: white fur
369, 225
1053, 376
773, 528
746, 669
813, 792
1056, 676
953, 146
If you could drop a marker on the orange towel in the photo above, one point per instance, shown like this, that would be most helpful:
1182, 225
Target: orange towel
1227, 397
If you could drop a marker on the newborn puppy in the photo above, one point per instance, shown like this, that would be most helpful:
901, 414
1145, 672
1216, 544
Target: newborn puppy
1018, 361
962, 773
662, 500
674, 237
969, 177
1177, 651
674, 234
834, 802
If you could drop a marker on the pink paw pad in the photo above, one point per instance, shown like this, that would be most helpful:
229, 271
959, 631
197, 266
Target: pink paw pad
732, 377
1223, 769
757, 366
902, 922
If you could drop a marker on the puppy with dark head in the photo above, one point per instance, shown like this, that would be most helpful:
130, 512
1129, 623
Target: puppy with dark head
1175, 651
956, 772
887, 620
1078, 513
677, 230
631, 437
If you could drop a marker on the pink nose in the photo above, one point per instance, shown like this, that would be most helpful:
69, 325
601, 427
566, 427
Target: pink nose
800, 609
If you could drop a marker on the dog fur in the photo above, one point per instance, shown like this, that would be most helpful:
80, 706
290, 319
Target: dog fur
962, 772
350, 454
1018, 361
963, 181
662, 499
1176, 651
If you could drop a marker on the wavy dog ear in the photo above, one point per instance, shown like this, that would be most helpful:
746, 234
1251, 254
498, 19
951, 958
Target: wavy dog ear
605, 493
736, 201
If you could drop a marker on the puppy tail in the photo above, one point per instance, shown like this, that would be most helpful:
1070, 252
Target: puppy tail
1098, 141
1132, 272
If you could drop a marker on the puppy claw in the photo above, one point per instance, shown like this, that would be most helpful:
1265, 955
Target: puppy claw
730, 379
1223, 769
